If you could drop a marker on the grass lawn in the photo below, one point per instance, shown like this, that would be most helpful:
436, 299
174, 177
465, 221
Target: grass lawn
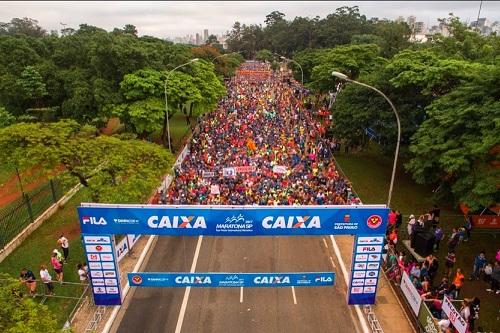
370, 174
37, 249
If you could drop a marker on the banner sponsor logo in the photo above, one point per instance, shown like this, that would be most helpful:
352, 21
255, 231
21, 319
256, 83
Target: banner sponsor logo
374, 257
291, 222
96, 240
374, 221
360, 274
180, 222
137, 279
271, 279
369, 248
370, 240
410, 293
427, 321
454, 316
361, 257
93, 220
235, 224
193, 280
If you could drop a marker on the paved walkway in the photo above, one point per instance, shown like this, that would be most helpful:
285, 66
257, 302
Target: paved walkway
388, 310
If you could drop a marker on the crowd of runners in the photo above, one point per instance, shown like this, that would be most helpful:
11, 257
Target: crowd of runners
263, 146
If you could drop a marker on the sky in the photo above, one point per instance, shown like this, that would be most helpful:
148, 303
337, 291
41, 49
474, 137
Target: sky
167, 19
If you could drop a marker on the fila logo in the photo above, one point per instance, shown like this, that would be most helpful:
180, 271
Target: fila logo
94, 220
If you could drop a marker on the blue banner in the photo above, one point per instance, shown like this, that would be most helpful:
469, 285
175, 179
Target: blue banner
305, 279
366, 262
103, 269
233, 220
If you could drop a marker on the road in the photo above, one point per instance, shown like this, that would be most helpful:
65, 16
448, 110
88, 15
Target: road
302, 309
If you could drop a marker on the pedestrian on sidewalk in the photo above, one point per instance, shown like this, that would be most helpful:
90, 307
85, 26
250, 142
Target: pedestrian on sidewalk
64, 243
29, 280
46, 279
58, 267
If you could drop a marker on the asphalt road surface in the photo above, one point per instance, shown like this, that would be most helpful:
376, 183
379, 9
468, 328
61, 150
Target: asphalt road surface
299, 309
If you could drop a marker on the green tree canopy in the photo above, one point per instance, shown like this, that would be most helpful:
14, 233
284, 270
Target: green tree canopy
115, 169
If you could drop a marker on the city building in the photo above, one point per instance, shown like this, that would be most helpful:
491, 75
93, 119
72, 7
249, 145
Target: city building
205, 35
198, 39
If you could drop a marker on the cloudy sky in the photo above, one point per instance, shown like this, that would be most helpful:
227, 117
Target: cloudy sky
178, 18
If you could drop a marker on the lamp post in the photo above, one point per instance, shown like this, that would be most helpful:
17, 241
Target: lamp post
166, 99
345, 78
295, 62
222, 55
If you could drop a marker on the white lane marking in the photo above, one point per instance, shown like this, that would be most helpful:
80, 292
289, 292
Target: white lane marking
294, 296
333, 264
361, 318
241, 294
180, 319
324, 242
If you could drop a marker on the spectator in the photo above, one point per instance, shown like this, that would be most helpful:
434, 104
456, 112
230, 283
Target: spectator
82, 273
59, 256
436, 212
478, 266
433, 269
28, 278
439, 234
443, 287
399, 219
46, 279
474, 306
58, 267
495, 279
458, 280
392, 219
450, 262
64, 243
467, 227
465, 310
411, 225
453, 240
415, 272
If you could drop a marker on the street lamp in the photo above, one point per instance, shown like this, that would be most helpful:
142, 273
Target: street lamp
295, 62
166, 99
222, 55
345, 78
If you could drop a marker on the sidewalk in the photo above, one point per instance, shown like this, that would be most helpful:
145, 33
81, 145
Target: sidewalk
390, 314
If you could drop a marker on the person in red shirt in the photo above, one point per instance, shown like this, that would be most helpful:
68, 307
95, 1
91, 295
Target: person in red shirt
392, 219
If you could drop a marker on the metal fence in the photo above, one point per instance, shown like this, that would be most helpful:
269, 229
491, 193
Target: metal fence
17, 215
